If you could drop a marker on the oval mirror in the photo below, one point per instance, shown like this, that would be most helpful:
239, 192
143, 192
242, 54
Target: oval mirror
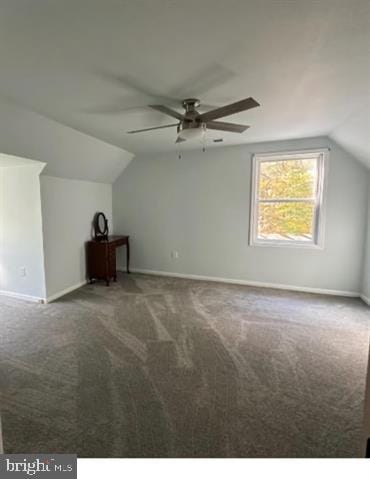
101, 223
101, 226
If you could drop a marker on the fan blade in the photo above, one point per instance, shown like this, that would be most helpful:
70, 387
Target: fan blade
224, 126
202, 81
227, 110
153, 128
133, 84
128, 104
167, 111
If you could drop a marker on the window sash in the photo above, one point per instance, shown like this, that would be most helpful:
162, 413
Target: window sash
260, 237
318, 200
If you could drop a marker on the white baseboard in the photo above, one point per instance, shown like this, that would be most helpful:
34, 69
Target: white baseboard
217, 279
258, 284
49, 299
59, 294
365, 299
24, 297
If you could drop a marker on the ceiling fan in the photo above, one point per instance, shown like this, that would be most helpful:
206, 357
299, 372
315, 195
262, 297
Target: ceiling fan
192, 124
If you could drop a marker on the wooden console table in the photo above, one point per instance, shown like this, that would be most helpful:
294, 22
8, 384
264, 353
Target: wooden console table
101, 257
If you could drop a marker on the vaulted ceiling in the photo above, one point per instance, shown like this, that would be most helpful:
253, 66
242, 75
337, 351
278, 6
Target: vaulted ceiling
94, 65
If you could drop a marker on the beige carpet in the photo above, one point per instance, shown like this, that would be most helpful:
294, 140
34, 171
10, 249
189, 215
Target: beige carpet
162, 367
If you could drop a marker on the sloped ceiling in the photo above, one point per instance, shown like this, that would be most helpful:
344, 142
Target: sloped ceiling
8, 161
67, 153
93, 65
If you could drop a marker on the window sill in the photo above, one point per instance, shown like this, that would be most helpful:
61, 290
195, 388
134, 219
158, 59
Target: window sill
286, 244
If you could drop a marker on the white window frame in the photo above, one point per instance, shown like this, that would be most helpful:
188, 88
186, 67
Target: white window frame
317, 242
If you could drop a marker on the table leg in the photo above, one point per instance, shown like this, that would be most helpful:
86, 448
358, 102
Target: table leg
128, 256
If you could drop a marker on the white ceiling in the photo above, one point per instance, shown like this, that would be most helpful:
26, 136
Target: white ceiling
10, 161
307, 62
67, 153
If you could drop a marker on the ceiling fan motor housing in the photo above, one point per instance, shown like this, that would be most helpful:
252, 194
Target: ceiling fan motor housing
190, 118
190, 104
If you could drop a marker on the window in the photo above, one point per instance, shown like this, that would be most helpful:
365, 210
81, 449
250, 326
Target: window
287, 199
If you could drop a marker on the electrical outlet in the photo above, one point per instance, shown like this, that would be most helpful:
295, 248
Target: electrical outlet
23, 271
174, 254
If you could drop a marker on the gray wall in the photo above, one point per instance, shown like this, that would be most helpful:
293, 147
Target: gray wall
366, 271
21, 242
68, 207
199, 206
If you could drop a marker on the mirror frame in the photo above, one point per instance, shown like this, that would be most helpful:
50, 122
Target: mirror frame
100, 235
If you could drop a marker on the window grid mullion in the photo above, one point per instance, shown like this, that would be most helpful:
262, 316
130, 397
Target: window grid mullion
288, 200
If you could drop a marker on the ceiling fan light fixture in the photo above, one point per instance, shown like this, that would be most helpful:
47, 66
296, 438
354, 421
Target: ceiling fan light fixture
196, 133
